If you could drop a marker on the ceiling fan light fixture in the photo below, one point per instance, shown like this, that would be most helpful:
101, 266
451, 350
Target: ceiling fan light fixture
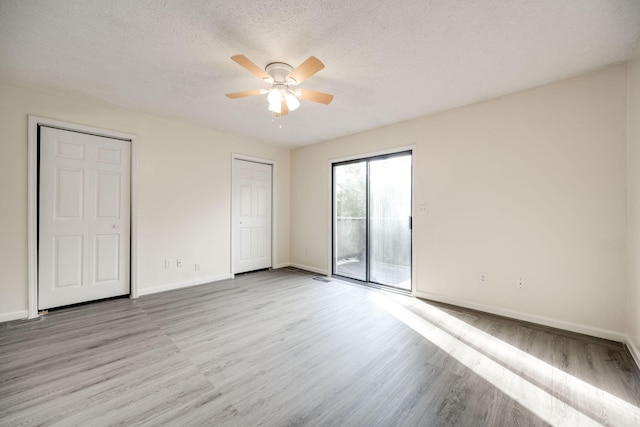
275, 100
292, 102
276, 107
274, 96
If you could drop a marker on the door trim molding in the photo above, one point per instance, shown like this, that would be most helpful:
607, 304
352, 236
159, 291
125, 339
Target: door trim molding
32, 201
274, 238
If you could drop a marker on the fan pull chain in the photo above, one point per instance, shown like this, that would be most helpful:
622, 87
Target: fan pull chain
277, 120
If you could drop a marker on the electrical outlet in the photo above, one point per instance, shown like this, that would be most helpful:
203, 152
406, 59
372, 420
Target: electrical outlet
521, 283
167, 263
197, 267
179, 262
484, 278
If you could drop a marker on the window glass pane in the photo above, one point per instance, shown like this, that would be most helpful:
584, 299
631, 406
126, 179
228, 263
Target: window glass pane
390, 221
350, 226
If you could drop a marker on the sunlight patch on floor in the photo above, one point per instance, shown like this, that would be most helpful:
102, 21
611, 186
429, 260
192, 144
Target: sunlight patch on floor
540, 402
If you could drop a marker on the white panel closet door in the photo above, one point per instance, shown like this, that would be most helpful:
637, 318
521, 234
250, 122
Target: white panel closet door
251, 216
83, 218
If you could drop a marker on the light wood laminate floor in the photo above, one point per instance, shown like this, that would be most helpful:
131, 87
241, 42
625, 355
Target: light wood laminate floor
277, 348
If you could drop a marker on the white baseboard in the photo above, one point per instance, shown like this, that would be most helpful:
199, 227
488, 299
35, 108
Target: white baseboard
633, 349
308, 268
540, 320
281, 265
172, 286
14, 315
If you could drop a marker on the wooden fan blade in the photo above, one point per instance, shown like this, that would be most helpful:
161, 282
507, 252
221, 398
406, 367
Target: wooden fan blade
307, 69
245, 93
284, 110
312, 95
245, 62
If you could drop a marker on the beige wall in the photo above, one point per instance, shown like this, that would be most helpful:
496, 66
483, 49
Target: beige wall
633, 215
184, 191
529, 185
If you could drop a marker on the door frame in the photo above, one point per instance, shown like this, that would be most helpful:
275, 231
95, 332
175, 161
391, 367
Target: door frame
273, 163
330, 163
32, 201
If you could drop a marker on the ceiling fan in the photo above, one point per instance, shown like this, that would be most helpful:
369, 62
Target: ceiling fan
282, 96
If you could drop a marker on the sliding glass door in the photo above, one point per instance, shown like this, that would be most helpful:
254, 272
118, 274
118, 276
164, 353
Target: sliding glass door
372, 220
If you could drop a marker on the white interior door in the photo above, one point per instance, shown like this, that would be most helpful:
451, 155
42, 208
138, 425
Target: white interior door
83, 218
251, 215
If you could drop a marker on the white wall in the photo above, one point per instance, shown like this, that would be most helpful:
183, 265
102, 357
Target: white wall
529, 185
183, 196
633, 214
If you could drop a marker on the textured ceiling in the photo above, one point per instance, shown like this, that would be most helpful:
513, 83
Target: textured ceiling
386, 61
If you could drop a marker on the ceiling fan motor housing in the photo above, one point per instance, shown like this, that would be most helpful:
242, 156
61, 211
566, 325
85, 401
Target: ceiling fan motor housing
279, 71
